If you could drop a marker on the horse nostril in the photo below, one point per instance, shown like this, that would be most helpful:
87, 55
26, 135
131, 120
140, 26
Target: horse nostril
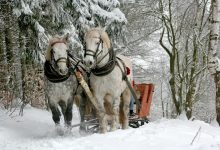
90, 63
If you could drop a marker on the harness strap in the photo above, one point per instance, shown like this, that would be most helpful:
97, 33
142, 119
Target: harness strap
102, 71
60, 41
61, 59
125, 77
91, 52
52, 74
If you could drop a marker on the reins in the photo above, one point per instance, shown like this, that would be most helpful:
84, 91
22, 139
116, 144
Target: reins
91, 52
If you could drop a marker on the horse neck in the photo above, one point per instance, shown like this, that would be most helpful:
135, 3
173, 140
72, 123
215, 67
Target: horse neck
105, 60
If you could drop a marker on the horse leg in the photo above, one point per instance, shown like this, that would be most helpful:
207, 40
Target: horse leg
82, 109
55, 113
115, 118
63, 107
102, 114
68, 114
126, 95
103, 122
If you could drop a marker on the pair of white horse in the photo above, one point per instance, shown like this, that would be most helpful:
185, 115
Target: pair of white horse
106, 79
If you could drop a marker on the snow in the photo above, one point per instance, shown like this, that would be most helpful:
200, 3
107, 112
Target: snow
38, 27
114, 3
36, 131
25, 8
111, 14
114, 15
17, 12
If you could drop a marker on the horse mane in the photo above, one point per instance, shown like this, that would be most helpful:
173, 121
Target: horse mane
103, 34
51, 41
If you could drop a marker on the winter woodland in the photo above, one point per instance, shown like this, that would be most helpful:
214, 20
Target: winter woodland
173, 44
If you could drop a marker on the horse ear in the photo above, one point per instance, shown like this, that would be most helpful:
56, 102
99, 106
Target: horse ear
66, 37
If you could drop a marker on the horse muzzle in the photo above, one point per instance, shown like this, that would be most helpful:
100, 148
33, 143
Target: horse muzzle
62, 67
89, 63
63, 71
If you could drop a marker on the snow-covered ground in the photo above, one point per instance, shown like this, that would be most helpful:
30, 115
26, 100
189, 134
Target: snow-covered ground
36, 131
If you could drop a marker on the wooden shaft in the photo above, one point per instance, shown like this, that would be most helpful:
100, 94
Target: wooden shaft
87, 90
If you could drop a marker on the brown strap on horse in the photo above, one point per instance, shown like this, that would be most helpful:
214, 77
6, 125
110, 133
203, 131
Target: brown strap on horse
124, 76
132, 92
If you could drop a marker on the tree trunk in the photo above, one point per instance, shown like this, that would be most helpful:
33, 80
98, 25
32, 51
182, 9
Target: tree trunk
190, 96
12, 51
213, 60
217, 82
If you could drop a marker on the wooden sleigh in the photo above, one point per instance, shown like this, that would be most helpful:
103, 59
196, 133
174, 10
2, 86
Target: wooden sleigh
143, 111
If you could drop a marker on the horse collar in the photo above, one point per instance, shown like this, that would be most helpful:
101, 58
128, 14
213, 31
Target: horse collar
108, 67
52, 75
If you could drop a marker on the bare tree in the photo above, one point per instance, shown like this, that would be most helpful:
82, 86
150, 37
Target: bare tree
213, 59
185, 32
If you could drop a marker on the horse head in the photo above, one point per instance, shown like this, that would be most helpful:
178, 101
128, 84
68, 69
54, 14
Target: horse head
57, 54
97, 44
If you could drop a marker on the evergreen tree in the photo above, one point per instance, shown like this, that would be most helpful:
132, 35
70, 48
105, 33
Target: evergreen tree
36, 21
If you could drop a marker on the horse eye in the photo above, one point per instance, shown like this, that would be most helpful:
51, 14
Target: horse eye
97, 43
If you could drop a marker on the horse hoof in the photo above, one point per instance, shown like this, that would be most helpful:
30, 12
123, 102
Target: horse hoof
103, 131
83, 132
60, 131
124, 128
113, 129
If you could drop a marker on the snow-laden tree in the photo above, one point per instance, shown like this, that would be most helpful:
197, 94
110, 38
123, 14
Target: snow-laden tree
36, 21
49, 17
10, 62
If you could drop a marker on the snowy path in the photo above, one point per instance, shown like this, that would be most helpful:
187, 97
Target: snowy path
35, 131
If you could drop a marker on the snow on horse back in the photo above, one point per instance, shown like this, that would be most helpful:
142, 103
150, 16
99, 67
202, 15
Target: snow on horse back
107, 78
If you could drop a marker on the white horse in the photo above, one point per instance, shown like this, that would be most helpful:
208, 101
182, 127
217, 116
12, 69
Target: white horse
106, 79
61, 87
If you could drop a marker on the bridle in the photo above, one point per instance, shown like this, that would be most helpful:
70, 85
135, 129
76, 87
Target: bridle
61, 59
108, 67
50, 67
96, 53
